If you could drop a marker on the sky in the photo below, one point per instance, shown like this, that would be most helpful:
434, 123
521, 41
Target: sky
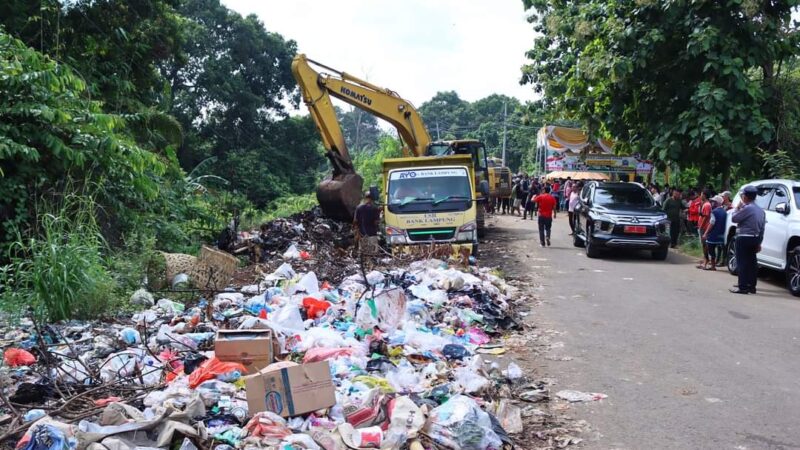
414, 47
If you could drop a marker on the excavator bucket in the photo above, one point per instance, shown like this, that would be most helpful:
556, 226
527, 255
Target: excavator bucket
340, 195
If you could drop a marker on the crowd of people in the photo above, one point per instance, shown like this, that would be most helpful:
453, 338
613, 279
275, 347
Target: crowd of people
543, 199
697, 212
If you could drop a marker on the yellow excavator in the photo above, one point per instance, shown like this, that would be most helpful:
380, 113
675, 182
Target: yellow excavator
340, 192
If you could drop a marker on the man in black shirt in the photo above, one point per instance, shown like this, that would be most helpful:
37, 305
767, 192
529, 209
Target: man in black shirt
365, 224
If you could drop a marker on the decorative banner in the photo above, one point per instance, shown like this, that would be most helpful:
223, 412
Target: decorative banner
598, 163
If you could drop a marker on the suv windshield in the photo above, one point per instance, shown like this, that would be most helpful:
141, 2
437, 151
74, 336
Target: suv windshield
446, 189
630, 196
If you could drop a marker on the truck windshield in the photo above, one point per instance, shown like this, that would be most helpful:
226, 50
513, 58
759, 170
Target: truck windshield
630, 196
441, 189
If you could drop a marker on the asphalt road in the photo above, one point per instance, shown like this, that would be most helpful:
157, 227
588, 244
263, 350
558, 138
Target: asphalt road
685, 364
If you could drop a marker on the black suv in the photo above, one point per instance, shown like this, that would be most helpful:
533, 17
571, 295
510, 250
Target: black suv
620, 215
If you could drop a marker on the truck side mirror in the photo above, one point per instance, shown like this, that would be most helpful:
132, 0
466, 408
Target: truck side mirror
782, 208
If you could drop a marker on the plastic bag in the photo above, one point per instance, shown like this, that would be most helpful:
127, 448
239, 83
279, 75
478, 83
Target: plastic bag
46, 436
142, 297
268, 425
321, 337
406, 419
322, 354
315, 308
284, 272
291, 253
211, 368
119, 365
513, 371
170, 307
130, 336
455, 352
308, 283
15, 357
478, 336
404, 378
510, 416
468, 381
460, 424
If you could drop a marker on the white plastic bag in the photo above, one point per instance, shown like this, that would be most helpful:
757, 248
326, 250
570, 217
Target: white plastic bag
460, 424
291, 253
308, 283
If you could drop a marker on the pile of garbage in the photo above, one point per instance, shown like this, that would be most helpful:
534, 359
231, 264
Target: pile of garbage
309, 239
402, 358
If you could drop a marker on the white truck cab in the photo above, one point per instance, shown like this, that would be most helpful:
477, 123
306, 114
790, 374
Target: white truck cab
780, 250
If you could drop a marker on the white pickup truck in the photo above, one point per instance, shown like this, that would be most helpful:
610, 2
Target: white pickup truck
780, 250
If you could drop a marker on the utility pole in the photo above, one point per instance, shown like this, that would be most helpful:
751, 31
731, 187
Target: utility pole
505, 111
438, 138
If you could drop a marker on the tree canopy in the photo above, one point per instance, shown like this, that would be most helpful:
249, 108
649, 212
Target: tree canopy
686, 82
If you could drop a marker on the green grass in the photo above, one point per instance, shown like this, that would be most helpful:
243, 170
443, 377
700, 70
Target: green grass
282, 207
59, 269
691, 246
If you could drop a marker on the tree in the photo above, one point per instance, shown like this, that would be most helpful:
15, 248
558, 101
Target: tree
360, 129
683, 82
228, 89
51, 135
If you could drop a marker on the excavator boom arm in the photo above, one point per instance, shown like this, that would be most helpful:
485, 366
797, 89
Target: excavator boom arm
317, 88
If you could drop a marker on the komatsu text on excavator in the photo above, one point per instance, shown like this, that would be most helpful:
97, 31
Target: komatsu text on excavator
339, 193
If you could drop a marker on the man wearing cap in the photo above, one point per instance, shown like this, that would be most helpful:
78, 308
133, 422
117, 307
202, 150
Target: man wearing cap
365, 225
750, 220
714, 236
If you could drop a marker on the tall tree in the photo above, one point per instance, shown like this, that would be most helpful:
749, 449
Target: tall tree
229, 91
683, 81
360, 129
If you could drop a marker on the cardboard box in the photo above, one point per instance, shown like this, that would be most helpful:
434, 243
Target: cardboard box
253, 348
291, 391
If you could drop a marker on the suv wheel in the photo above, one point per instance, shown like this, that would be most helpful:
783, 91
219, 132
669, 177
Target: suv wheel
591, 250
730, 249
793, 271
660, 254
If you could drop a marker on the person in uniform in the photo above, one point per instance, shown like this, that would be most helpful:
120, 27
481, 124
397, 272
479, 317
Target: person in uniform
750, 220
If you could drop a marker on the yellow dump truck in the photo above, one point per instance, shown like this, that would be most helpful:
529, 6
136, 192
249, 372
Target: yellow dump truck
431, 205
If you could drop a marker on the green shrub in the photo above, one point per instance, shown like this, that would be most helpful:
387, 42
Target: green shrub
58, 269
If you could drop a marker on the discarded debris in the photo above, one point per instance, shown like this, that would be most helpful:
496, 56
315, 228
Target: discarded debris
397, 349
578, 396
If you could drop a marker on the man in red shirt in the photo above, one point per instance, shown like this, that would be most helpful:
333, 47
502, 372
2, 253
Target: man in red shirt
703, 221
547, 212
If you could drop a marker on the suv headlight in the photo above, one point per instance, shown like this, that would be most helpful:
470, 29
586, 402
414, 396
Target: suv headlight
603, 227
467, 232
663, 227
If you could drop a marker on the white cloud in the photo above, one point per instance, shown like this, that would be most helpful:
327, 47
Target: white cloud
414, 47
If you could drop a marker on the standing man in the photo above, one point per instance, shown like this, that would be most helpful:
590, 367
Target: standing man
572, 202
365, 225
702, 224
673, 206
750, 220
547, 212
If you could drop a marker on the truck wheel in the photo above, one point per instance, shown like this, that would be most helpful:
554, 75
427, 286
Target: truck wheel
730, 250
793, 271
660, 254
591, 250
